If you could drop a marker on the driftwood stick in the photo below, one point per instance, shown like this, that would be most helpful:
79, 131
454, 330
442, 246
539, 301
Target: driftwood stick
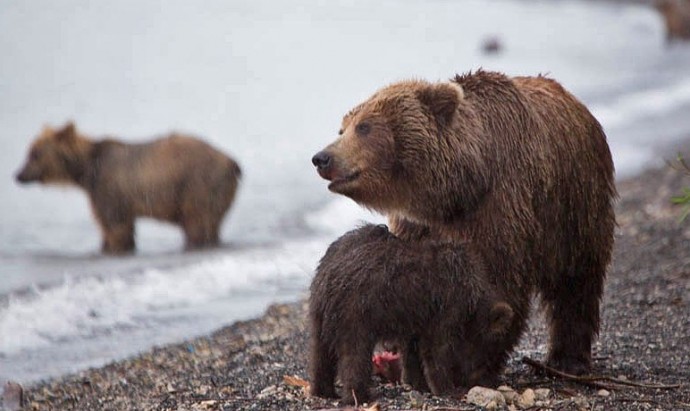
594, 381
554, 372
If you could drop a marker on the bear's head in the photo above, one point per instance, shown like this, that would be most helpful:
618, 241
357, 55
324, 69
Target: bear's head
412, 149
51, 156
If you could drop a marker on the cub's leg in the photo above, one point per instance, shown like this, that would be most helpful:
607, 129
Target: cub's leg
323, 363
354, 366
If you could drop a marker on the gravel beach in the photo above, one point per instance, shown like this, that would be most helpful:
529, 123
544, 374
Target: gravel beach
645, 339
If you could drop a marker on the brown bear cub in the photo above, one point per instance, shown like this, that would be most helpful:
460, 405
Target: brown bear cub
371, 286
516, 166
178, 179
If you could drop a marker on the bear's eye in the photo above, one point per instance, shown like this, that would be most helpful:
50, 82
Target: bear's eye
34, 154
363, 128
340, 132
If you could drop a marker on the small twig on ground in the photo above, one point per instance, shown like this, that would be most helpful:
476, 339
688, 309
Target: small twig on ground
595, 381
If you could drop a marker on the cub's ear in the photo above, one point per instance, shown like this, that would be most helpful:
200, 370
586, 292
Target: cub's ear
500, 318
442, 99
66, 133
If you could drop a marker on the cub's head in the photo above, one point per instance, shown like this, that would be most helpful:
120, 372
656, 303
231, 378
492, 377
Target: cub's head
399, 152
49, 156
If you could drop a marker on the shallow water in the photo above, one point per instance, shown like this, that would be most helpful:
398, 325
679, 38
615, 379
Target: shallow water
266, 82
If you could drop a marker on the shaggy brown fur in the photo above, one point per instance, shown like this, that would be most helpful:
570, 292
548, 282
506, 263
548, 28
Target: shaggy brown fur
676, 15
516, 166
371, 286
177, 179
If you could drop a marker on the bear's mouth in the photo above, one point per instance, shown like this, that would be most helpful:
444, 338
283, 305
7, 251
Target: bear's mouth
337, 183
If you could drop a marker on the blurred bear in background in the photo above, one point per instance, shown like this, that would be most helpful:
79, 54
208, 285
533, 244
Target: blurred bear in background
178, 179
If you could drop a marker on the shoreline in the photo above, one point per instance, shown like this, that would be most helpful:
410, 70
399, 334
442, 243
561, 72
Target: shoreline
644, 338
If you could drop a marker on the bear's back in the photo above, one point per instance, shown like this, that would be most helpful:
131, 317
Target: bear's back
154, 177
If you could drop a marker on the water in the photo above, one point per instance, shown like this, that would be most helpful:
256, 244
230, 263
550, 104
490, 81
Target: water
267, 82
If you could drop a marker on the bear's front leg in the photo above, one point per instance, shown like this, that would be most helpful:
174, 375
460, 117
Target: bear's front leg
119, 238
116, 221
322, 367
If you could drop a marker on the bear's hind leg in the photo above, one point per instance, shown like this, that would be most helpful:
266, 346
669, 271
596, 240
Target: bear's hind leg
573, 310
200, 232
413, 372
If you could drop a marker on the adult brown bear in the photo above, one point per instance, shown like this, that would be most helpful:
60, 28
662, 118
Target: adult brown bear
178, 179
516, 166
371, 286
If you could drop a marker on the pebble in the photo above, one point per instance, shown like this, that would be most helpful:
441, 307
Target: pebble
526, 400
603, 393
542, 394
416, 399
492, 405
484, 397
509, 394
207, 405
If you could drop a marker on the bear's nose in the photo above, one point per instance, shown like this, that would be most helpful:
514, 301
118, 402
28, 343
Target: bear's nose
22, 177
321, 160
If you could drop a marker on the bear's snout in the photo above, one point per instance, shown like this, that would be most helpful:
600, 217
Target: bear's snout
323, 161
24, 177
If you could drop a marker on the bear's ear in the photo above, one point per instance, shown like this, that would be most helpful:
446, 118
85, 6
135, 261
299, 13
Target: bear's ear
442, 99
67, 133
47, 131
500, 318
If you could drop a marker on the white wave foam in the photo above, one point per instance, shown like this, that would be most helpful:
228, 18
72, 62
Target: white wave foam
644, 104
88, 306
